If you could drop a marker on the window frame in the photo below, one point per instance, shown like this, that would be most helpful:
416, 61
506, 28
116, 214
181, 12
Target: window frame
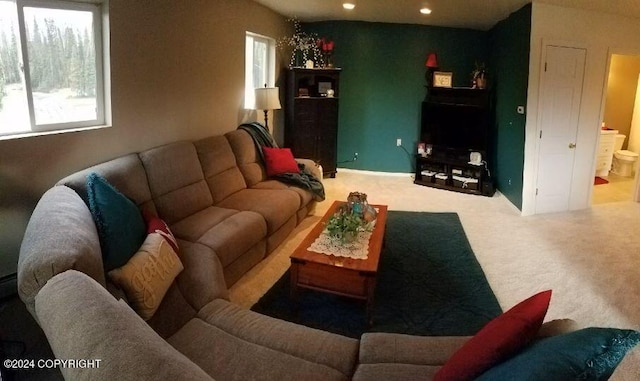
100, 21
270, 59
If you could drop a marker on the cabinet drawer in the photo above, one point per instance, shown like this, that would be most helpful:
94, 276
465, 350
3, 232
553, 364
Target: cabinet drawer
605, 149
603, 162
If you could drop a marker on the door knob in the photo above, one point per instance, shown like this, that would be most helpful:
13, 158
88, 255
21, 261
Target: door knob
572, 145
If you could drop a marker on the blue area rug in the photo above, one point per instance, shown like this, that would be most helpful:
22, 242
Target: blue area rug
429, 283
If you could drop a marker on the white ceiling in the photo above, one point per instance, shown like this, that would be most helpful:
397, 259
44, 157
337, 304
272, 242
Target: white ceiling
474, 14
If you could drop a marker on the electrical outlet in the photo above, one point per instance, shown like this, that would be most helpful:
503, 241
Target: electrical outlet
355, 156
509, 181
398, 142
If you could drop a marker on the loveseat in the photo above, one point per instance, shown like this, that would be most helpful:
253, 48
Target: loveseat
227, 216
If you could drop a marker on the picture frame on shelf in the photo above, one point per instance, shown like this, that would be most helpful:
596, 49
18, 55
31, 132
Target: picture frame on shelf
323, 87
442, 79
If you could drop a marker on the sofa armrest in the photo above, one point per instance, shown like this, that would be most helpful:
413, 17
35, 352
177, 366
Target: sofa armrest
315, 169
83, 321
60, 236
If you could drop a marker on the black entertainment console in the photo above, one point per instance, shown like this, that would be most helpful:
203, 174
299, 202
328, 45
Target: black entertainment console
453, 171
455, 124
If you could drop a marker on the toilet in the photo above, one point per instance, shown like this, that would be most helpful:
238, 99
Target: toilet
624, 161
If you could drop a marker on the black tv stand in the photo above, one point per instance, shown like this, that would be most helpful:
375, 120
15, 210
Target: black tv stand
455, 122
451, 170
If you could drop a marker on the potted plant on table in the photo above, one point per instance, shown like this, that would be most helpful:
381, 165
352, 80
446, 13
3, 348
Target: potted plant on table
344, 226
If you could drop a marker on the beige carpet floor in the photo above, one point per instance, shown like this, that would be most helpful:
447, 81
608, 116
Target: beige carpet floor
589, 258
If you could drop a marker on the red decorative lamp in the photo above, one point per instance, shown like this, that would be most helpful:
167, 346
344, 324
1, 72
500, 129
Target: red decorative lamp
432, 65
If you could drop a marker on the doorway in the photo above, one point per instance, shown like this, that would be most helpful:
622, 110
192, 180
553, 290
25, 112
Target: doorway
621, 117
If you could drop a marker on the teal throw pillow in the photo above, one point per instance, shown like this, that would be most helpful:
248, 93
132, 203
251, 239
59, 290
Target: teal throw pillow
121, 228
586, 354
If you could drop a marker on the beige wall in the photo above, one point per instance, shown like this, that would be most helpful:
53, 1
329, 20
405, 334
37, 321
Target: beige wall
177, 73
600, 34
621, 93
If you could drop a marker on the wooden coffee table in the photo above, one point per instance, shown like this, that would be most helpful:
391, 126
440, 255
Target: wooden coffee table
354, 278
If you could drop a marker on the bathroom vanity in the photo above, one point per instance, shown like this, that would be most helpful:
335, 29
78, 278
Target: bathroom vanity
604, 156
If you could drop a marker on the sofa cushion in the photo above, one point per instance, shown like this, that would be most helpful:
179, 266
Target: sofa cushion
247, 157
497, 340
120, 224
229, 233
587, 354
279, 161
305, 196
275, 206
174, 312
382, 347
176, 181
394, 372
146, 277
125, 173
219, 166
230, 342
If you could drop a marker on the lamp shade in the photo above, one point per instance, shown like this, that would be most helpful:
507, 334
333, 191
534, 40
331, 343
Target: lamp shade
267, 98
432, 61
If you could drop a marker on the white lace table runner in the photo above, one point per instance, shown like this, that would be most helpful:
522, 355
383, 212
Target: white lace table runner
358, 249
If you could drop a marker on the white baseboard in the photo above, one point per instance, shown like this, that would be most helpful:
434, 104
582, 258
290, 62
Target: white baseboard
375, 173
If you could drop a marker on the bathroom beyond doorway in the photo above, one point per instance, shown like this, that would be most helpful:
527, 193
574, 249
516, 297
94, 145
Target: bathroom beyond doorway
621, 113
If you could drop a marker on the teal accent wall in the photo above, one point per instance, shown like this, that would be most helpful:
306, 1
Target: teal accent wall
382, 84
509, 76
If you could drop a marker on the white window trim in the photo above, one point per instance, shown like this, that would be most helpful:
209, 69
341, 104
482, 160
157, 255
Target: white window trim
100, 11
248, 67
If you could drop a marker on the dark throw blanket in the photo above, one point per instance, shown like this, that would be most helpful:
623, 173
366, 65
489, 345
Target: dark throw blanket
305, 179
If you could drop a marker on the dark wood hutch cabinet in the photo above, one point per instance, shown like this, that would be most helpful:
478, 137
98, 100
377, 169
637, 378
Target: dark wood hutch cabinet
311, 125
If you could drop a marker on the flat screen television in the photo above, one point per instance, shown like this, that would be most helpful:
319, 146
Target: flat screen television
461, 127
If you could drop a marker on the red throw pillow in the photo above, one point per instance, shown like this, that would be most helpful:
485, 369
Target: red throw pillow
157, 225
499, 339
279, 160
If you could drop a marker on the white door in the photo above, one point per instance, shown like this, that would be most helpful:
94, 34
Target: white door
561, 81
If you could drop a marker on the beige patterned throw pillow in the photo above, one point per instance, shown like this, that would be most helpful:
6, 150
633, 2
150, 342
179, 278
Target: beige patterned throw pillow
148, 275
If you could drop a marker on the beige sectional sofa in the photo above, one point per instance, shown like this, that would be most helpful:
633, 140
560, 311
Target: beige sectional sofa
227, 216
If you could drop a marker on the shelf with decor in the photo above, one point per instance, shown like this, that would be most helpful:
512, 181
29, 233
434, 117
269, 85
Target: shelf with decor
453, 173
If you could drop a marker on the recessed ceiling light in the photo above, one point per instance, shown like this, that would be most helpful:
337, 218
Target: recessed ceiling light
348, 6
425, 11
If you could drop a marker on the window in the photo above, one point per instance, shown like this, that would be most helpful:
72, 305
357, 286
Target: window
260, 65
52, 72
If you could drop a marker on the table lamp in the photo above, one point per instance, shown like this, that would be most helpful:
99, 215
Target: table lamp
432, 65
267, 99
